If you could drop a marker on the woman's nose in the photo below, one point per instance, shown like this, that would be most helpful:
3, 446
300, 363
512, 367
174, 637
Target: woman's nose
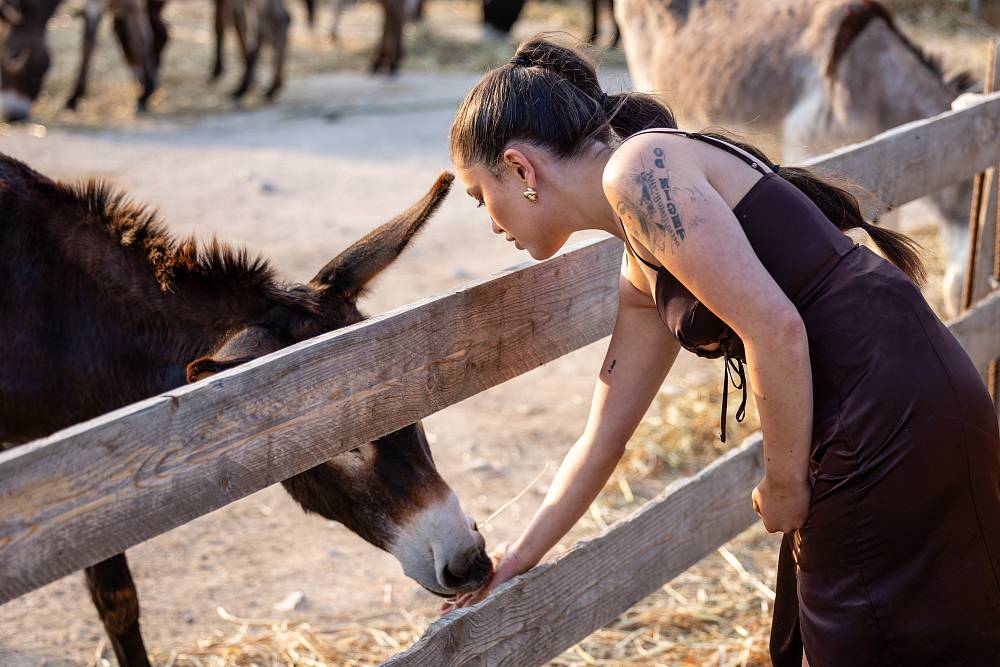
496, 230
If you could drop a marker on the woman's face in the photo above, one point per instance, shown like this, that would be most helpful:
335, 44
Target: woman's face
531, 226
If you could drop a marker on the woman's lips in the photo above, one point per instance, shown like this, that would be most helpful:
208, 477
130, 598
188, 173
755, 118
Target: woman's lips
511, 239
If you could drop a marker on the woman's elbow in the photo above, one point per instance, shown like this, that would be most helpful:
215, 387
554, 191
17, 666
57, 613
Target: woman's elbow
791, 332
784, 331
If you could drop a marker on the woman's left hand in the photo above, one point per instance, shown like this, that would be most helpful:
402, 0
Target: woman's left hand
782, 506
507, 564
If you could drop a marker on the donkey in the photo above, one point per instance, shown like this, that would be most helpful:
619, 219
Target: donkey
101, 307
814, 74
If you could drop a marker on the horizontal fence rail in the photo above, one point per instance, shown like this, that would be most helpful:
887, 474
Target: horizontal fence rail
100, 487
916, 159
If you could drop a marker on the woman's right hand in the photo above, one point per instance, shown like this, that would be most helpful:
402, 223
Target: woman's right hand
507, 564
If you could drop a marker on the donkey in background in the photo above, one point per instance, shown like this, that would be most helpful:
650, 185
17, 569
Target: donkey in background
813, 74
100, 307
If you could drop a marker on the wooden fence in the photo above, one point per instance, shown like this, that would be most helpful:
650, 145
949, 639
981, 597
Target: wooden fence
100, 487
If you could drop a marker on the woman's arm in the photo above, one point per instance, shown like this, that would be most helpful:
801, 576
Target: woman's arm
640, 354
661, 192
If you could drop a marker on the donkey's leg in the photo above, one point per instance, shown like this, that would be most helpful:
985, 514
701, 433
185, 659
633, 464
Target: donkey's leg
135, 35
595, 16
379, 59
616, 35
220, 34
113, 592
338, 11
154, 9
415, 10
246, 20
93, 12
278, 20
390, 49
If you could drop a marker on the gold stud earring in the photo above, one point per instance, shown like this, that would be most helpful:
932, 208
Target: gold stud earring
531, 195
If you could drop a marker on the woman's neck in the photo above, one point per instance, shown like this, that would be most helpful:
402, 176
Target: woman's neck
582, 187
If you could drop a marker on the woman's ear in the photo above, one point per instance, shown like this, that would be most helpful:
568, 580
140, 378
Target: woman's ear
521, 166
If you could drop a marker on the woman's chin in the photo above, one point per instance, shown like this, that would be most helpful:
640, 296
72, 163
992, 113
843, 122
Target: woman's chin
543, 253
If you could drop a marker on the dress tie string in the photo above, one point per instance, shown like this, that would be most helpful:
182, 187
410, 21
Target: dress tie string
737, 370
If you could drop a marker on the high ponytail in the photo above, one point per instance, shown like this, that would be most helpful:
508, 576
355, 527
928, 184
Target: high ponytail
549, 95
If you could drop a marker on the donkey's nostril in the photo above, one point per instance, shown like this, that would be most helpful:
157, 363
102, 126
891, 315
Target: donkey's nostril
476, 570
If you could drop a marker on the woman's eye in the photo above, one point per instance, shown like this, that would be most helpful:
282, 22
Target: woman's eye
480, 204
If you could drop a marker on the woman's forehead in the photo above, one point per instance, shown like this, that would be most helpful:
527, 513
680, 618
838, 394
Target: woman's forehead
471, 177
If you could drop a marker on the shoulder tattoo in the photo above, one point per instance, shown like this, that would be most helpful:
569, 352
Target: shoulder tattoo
651, 204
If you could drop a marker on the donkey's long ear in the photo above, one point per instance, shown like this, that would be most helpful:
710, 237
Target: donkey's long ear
348, 273
238, 347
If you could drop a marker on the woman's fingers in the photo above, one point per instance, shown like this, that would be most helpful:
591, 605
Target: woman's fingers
506, 566
781, 508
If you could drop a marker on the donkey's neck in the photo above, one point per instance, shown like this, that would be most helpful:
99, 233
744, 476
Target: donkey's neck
891, 82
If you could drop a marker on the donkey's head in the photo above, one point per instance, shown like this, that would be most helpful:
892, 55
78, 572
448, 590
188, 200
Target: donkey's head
24, 58
387, 491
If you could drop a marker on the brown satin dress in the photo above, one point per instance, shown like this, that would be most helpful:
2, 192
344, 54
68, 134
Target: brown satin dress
899, 557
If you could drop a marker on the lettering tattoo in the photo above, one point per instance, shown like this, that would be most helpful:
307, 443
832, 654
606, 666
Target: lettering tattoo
612, 367
654, 205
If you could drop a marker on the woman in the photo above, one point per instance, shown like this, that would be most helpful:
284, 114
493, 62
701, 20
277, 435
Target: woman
881, 446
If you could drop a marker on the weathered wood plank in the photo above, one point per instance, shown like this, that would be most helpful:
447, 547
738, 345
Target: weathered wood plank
97, 488
601, 577
978, 329
916, 159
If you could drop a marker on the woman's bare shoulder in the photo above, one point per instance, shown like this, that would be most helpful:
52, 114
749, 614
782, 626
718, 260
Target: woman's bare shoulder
649, 151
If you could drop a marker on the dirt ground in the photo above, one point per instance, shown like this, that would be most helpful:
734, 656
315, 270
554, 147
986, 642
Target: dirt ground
299, 181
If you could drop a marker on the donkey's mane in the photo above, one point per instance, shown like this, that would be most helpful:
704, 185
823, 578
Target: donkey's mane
857, 19
137, 226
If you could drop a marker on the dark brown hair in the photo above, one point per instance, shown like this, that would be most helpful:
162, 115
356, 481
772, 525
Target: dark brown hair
548, 95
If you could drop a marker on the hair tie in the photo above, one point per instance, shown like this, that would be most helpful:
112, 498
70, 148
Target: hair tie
603, 99
520, 59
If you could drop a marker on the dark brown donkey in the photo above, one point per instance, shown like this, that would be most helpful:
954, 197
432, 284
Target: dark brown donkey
100, 307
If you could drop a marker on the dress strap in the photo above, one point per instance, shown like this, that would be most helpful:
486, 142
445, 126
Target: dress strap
631, 250
752, 161
737, 371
